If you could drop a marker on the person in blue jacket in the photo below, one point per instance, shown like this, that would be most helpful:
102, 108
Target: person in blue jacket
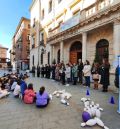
23, 87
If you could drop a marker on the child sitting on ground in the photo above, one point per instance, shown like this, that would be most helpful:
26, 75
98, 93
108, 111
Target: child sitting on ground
29, 94
3, 91
16, 92
42, 98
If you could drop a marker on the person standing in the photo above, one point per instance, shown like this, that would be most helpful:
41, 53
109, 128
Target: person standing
95, 74
38, 71
75, 73
33, 71
68, 74
117, 79
42, 71
63, 74
87, 73
80, 72
104, 72
53, 71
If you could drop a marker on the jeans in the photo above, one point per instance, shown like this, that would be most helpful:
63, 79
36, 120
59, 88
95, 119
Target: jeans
87, 81
75, 80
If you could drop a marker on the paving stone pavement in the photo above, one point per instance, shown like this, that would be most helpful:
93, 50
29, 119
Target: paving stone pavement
14, 114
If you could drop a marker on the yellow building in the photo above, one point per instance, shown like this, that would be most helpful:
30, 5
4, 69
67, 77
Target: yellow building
66, 31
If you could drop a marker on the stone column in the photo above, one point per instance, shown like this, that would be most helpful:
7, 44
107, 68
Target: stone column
84, 46
61, 51
116, 38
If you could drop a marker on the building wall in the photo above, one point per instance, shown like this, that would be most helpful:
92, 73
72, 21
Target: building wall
3, 55
105, 32
21, 44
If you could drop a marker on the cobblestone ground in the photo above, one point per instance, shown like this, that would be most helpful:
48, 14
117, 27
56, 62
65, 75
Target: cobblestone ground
14, 114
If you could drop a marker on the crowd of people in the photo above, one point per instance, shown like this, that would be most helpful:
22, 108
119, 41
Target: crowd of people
16, 84
81, 73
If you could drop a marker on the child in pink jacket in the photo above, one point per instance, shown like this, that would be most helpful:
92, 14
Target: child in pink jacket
29, 94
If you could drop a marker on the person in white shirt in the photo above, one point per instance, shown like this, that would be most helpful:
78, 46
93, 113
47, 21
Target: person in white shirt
3, 91
68, 74
87, 73
17, 90
13, 85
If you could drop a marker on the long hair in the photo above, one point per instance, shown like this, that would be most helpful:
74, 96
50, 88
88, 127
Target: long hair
30, 86
42, 89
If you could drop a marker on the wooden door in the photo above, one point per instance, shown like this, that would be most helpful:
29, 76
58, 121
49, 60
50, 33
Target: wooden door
73, 57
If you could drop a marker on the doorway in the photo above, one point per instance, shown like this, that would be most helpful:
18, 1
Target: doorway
75, 52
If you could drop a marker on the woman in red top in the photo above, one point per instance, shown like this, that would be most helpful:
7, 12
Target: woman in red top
29, 94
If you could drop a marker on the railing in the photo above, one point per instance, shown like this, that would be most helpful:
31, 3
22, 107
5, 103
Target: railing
53, 32
84, 15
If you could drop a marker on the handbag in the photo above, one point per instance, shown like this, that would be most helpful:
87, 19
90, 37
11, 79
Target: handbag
95, 76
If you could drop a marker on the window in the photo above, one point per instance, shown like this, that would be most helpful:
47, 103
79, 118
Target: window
34, 22
42, 36
41, 58
43, 13
59, 1
33, 59
50, 6
28, 26
48, 57
102, 50
28, 37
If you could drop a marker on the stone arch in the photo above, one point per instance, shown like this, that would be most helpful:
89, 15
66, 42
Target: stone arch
75, 51
102, 50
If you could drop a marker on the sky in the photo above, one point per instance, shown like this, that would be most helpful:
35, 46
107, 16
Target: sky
11, 12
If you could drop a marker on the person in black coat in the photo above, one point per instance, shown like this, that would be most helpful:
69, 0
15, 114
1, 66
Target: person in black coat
38, 71
33, 71
42, 71
48, 71
80, 72
63, 74
117, 76
53, 71
104, 72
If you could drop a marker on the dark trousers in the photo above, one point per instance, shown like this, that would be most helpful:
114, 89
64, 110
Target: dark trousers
81, 77
68, 80
87, 81
38, 74
105, 87
63, 78
75, 80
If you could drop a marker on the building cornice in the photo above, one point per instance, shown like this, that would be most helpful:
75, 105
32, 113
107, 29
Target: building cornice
87, 21
21, 20
33, 2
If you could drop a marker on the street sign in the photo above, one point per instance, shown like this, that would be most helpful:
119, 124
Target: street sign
119, 85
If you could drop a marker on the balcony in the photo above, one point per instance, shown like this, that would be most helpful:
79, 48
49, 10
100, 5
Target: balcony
90, 11
54, 31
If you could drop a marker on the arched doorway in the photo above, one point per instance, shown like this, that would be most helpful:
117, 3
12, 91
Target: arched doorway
102, 50
58, 56
75, 52
48, 57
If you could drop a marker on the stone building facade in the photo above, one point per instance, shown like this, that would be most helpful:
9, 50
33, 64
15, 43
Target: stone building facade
3, 57
75, 30
21, 45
